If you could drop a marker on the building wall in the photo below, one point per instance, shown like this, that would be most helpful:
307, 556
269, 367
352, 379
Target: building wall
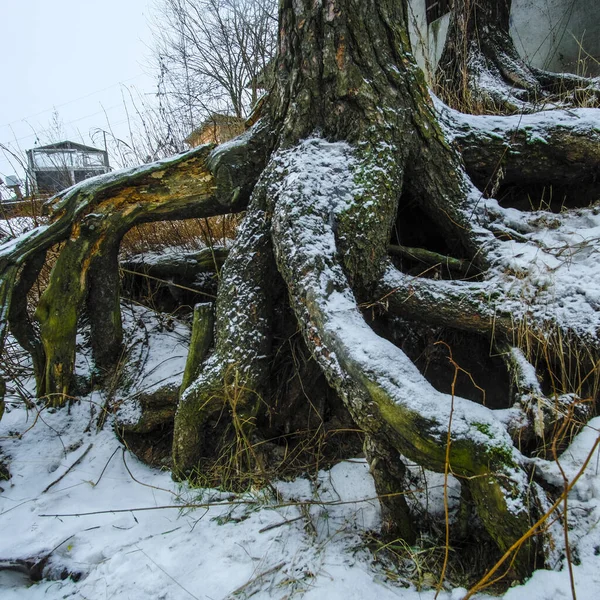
216, 133
427, 46
557, 35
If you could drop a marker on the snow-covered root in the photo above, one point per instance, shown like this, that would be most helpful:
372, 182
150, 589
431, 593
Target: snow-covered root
570, 88
94, 215
554, 147
499, 81
537, 420
463, 305
482, 308
385, 393
486, 75
218, 408
489, 76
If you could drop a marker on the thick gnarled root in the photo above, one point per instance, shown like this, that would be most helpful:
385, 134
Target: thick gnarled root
551, 148
219, 405
383, 390
94, 215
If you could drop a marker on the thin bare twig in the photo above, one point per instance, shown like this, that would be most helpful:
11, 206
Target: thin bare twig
260, 576
154, 487
276, 525
167, 574
106, 466
229, 503
83, 455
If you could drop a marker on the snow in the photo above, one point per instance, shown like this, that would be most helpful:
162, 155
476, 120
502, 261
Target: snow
527, 376
553, 270
15, 226
241, 543
130, 532
156, 554
536, 125
157, 347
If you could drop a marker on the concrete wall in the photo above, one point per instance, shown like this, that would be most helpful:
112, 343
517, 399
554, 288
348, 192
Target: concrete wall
427, 46
557, 35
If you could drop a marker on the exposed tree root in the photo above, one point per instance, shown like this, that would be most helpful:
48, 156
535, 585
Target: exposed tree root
219, 406
383, 390
389, 472
185, 266
461, 267
93, 217
461, 305
552, 148
18, 318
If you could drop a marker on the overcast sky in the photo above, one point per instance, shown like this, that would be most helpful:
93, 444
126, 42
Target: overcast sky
74, 56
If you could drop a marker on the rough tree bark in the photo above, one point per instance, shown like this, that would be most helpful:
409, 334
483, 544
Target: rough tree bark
349, 141
91, 218
480, 67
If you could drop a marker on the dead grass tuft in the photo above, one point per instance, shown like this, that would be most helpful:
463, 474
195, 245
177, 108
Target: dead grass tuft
190, 234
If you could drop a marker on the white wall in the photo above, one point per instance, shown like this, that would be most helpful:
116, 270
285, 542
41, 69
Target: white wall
426, 48
557, 35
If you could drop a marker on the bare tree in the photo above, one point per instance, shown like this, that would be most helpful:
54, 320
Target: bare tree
212, 56
153, 131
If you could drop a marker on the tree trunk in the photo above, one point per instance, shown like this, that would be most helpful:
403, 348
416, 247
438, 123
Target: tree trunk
349, 144
344, 74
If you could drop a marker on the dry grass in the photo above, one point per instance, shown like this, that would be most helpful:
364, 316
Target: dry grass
245, 463
567, 364
569, 373
190, 234
281, 435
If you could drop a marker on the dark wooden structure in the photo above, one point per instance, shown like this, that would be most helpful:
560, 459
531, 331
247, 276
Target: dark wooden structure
435, 9
54, 167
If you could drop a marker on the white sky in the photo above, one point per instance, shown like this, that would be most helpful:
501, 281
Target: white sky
72, 55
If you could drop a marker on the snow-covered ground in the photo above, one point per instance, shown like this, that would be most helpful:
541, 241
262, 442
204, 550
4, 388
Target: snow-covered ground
553, 271
121, 526
124, 528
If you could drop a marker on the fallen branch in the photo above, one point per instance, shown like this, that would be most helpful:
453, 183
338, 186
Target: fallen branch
463, 267
276, 525
270, 571
69, 469
233, 503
